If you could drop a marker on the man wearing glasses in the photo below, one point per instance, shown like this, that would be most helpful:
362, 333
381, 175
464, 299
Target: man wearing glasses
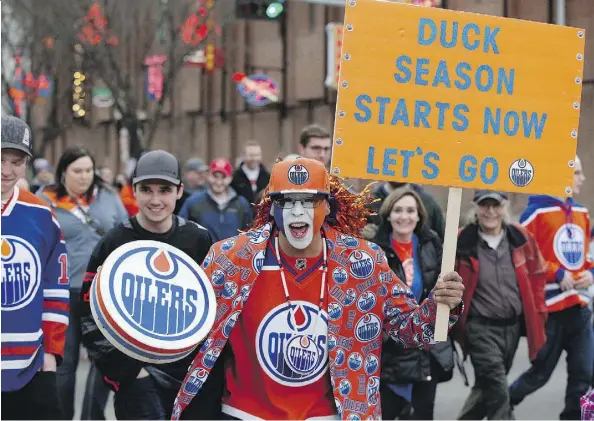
307, 342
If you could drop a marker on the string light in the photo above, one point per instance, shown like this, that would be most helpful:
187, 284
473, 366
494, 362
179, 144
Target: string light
78, 95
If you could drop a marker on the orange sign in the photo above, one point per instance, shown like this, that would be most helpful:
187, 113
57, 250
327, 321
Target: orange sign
457, 99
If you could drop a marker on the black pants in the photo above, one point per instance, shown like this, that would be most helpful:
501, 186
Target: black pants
420, 408
96, 392
492, 348
144, 399
38, 400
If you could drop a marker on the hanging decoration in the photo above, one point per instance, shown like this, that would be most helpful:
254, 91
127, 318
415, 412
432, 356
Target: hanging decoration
198, 27
258, 90
154, 76
26, 87
94, 29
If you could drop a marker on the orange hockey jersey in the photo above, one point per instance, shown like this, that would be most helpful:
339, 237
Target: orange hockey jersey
562, 231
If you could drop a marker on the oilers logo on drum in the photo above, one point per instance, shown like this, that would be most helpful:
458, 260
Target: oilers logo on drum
368, 328
361, 264
298, 174
569, 245
291, 345
195, 381
521, 172
21, 273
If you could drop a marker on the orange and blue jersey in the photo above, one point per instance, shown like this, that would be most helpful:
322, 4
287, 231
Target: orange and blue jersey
562, 231
35, 288
269, 372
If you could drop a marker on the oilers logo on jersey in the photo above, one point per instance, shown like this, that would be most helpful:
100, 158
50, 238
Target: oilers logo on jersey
21, 272
340, 275
361, 264
355, 361
368, 328
292, 346
371, 364
569, 246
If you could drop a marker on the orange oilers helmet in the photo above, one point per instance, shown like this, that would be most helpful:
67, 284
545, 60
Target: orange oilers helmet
301, 175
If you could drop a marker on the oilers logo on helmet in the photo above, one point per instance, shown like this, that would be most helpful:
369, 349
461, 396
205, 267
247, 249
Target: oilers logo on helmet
334, 311
291, 345
368, 328
366, 301
355, 361
21, 272
340, 358
371, 364
153, 301
569, 246
258, 261
298, 174
210, 358
361, 264
195, 381
521, 172
340, 275
344, 387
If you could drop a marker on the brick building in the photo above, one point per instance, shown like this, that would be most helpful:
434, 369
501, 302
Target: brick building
207, 117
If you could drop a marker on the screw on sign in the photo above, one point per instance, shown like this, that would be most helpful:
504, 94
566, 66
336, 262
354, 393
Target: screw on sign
152, 301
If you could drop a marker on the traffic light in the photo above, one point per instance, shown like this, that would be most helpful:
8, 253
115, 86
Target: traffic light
260, 9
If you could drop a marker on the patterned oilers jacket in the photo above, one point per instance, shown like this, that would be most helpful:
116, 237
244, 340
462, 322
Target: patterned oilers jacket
354, 267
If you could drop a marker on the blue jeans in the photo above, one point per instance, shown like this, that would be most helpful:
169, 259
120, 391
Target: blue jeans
96, 392
571, 331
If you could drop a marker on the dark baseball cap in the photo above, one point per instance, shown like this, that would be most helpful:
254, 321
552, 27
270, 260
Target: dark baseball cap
481, 195
16, 134
157, 165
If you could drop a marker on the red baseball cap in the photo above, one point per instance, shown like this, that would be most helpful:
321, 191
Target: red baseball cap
221, 165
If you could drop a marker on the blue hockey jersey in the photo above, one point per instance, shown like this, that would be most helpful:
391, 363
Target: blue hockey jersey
34, 291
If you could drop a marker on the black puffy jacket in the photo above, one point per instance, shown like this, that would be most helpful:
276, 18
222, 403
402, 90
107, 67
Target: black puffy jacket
400, 365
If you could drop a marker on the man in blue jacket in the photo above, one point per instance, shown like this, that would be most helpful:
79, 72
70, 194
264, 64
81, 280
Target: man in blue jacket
219, 209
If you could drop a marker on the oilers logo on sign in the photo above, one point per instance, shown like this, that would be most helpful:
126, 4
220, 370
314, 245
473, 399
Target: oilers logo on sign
260, 236
344, 387
340, 275
372, 390
230, 323
340, 358
569, 245
258, 261
361, 264
368, 328
521, 172
298, 174
153, 301
366, 301
371, 364
355, 361
229, 290
291, 344
334, 311
21, 272
348, 241
210, 358
195, 381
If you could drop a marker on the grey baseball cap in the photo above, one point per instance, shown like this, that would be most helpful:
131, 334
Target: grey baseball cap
195, 164
157, 165
16, 134
481, 195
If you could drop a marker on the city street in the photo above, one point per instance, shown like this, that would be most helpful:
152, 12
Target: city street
546, 404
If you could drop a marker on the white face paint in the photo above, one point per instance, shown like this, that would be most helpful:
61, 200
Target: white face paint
298, 225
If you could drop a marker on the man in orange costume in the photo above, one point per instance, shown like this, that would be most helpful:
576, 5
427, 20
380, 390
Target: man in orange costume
307, 343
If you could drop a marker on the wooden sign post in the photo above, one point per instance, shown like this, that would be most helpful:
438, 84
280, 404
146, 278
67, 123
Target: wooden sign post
457, 99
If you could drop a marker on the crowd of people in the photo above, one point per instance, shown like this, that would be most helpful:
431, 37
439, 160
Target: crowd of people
529, 278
